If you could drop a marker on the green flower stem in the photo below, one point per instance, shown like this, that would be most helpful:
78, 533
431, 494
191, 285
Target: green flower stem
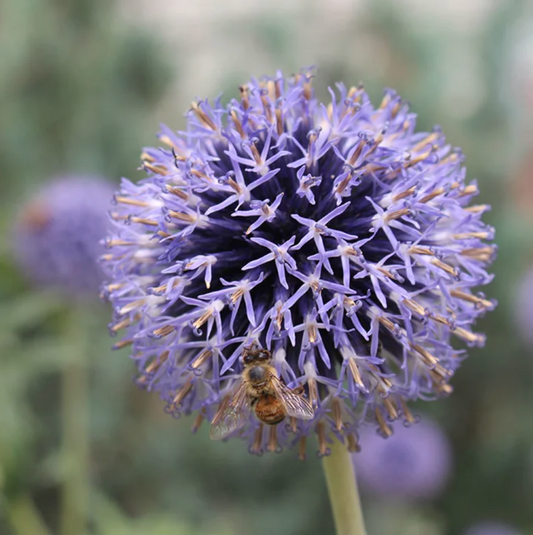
75, 492
24, 517
342, 490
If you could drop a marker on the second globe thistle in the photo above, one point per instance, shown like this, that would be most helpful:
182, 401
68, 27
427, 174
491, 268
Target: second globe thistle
58, 233
333, 235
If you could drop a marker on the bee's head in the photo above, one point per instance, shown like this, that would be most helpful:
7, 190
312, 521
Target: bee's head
256, 355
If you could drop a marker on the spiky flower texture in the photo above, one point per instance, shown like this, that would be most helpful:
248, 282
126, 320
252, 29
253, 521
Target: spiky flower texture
333, 235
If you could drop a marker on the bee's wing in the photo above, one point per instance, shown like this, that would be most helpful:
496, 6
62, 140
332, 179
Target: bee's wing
295, 404
233, 416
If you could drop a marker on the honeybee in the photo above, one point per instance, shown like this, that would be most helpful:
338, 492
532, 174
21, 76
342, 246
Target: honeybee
262, 391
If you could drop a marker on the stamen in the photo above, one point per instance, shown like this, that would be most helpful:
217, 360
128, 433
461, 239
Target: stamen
200, 174
356, 153
406, 412
385, 428
131, 306
167, 141
308, 90
412, 305
440, 384
279, 121
390, 216
122, 343
178, 192
467, 235
157, 169
273, 439
467, 336
420, 250
477, 208
343, 184
425, 354
432, 195
124, 323
428, 140
266, 107
203, 117
244, 90
445, 267
238, 124
182, 393
417, 159
182, 217
353, 444
322, 442
313, 391
356, 374
311, 333
256, 154
156, 363
164, 331
133, 202
198, 422
302, 448
469, 190
144, 221
293, 423
235, 186
404, 194
471, 298
203, 318
112, 287
201, 358
390, 408
386, 322
483, 254
145, 157
119, 243
337, 414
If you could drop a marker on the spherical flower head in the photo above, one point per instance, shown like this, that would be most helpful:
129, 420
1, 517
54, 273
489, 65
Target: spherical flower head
413, 464
58, 234
491, 528
334, 236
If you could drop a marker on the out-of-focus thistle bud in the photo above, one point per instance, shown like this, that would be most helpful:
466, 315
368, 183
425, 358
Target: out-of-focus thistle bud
413, 464
58, 234
491, 528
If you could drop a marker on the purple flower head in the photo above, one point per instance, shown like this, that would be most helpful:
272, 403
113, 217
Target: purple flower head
58, 233
413, 464
334, 236
491, 528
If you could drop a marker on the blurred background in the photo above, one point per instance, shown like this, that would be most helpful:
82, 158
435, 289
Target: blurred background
84, 85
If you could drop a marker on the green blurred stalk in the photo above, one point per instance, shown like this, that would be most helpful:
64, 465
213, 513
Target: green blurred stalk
342, 490
24, 518
75, 444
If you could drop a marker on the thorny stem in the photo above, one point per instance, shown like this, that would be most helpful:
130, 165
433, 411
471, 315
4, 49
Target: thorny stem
74, 499
342, 490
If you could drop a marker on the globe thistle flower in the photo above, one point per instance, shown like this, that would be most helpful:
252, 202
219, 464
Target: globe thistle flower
58, 234
491, 528
413, 464
334, 236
